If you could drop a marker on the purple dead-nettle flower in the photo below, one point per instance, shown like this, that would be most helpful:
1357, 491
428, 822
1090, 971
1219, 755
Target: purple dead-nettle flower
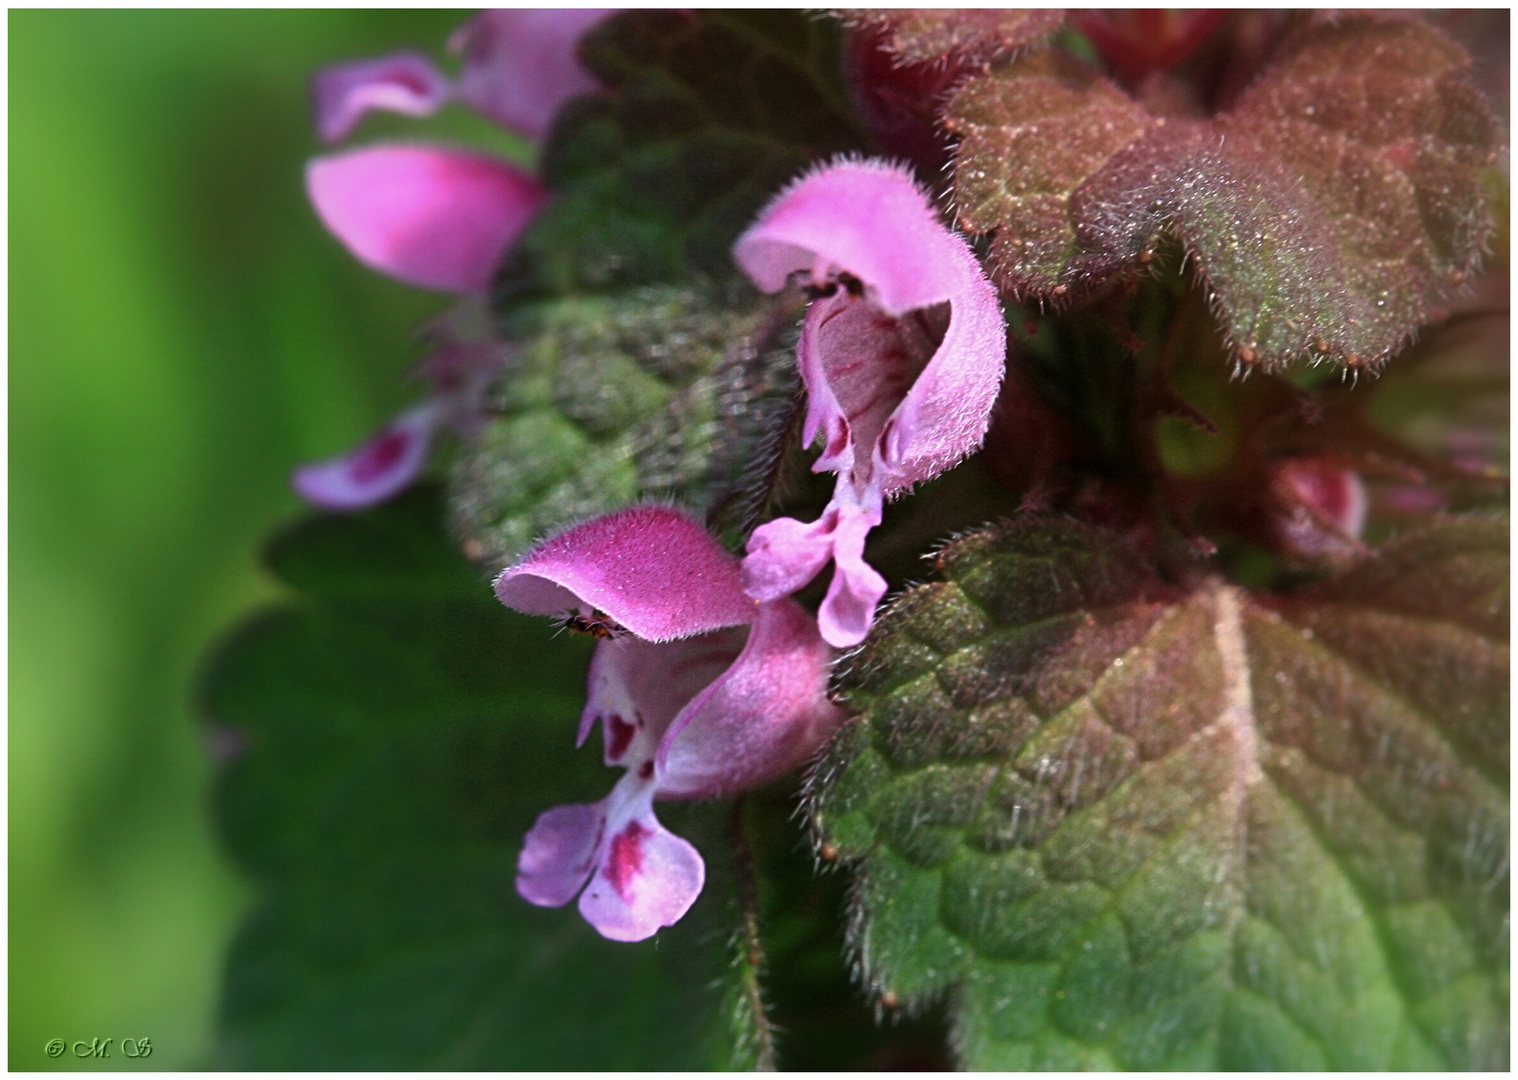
902, 352
432, 217
437, 219
699, 691
518, 67
458, 372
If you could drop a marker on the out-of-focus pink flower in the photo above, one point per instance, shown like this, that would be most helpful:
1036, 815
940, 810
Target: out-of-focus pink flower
518, 67
520, 64
902, 352
457, 373
403, 82
434, 218
699, 691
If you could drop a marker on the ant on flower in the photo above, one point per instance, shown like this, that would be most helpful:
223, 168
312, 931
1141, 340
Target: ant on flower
597, 624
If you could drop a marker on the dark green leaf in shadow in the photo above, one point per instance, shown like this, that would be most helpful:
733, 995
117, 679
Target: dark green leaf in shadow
674, 394
389, 735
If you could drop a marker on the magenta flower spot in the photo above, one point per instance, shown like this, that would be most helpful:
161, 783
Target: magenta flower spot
437, 219
403, 82
375, 471
902, 352
458, 373
705, 693
520, 65
625, 862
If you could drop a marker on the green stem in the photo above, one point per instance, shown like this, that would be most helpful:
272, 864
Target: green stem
756, 1036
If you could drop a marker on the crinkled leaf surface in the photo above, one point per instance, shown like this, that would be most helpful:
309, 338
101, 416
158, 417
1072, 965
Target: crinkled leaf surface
392, 732
1131, 826
1030, 134
1328, 213
661, 392
707, 115
979, 34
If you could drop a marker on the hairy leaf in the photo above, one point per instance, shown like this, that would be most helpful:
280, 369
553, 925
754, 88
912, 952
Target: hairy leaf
977, 34
1131, 826
707, 115
657, 393
1030, 134
1329, 213
389, 736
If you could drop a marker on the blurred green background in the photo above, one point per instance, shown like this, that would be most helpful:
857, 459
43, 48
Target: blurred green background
182, 332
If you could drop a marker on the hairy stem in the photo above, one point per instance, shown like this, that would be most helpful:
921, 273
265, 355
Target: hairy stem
755, 1035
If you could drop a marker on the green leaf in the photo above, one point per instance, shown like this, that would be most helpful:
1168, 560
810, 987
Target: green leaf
1330, 213
656, 393
919, 35
391, 733
1134, 826
708, 114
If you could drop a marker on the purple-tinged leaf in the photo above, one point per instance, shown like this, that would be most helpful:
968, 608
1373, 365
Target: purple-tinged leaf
976, 34
1132, 825
1383, 128
1030, 134
1330, 213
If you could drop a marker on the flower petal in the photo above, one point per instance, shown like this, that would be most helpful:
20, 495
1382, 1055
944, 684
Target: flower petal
636, 688
376, 470
647, 878
784, 554
763, 717
559, 853
403, 82
438, 219
520, 65
653, 570
848, 610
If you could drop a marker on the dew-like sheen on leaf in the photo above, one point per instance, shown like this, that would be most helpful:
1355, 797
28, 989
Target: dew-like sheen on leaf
1136, 827
389, 736
1330, 213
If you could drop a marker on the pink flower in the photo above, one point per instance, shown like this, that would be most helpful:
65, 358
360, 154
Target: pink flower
518, 67
901, 352
699, 690
457, 373
431, 217
434, 217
